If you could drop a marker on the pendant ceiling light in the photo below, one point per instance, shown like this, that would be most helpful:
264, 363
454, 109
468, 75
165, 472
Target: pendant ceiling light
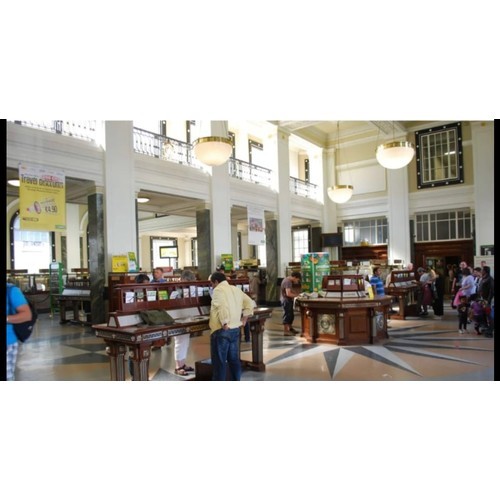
395, 154
213, 150
339, 193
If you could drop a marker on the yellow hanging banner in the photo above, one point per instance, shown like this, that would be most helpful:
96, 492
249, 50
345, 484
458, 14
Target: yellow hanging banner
42, 199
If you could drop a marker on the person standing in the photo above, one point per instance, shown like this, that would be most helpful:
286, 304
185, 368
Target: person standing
18, 311
158, 275
181, 342
468, 286
425, 283
438, 288
377, 282
463, 314
287, 297
486, 286
230, 309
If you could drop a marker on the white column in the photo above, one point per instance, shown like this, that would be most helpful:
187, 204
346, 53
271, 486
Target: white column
220, 219
483, 161
119, 190
399, 244
72, 236
285, 248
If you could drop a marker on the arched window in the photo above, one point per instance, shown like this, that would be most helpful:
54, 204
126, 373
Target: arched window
31, 250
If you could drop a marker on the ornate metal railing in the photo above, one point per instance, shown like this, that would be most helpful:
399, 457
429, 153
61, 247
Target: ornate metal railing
245, 171
85, 130
167, 148
303, 188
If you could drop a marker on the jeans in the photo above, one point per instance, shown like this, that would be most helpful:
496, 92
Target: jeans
288, 312
11, 360
224, 347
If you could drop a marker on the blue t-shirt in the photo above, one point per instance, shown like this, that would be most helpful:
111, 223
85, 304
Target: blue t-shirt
378, 283
15, 298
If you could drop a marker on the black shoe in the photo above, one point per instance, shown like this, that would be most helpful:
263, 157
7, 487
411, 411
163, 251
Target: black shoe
293, 330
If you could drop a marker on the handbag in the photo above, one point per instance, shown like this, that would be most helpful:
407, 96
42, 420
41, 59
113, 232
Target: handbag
456, 300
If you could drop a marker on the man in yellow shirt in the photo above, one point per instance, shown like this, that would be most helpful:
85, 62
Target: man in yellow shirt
230, 309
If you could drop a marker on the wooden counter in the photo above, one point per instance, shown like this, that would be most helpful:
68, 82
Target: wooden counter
404, 287
190, 308
344, 321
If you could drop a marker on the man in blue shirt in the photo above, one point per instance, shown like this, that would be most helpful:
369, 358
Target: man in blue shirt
18, 311
377, 281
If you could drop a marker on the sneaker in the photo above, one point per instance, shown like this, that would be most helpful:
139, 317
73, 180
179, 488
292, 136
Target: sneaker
460, 331
293, 330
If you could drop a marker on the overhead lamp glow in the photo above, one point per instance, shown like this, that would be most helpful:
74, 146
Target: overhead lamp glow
396, 154
14, 182
341, 193
142, 200
213, 150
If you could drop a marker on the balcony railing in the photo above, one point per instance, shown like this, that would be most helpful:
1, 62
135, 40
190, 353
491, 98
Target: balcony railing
167, 148
85, 130
245, 171
303, 188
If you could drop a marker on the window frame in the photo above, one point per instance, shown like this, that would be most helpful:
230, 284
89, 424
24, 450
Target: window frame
423, 139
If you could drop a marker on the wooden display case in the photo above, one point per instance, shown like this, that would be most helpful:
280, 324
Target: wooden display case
188, 302
34, 285
403, 285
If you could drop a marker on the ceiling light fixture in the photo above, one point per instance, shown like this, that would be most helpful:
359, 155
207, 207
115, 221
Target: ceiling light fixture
142, 199
340, 193
395, 154
14, 182
213, 150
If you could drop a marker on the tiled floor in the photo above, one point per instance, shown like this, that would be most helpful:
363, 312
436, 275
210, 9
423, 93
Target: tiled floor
417, 349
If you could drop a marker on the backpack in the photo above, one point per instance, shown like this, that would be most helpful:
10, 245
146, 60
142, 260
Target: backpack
24, 330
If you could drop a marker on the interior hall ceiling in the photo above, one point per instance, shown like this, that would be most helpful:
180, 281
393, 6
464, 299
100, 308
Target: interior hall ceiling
165, 214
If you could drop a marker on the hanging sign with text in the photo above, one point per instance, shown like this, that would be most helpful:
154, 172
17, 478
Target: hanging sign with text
42, 199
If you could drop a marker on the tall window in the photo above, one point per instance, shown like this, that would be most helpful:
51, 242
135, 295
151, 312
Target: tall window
255, 153
32, 249
194, 251
373, 231
261, 255
301, 238
452, 225
164, 252
439, 156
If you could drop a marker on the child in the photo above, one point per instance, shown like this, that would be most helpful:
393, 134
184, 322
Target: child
463, 314
477, 313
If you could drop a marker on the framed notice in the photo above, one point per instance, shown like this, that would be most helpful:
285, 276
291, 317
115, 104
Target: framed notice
168, 252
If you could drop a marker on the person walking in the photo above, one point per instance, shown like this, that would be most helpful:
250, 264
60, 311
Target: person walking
230, 308
287, 297
18, 311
